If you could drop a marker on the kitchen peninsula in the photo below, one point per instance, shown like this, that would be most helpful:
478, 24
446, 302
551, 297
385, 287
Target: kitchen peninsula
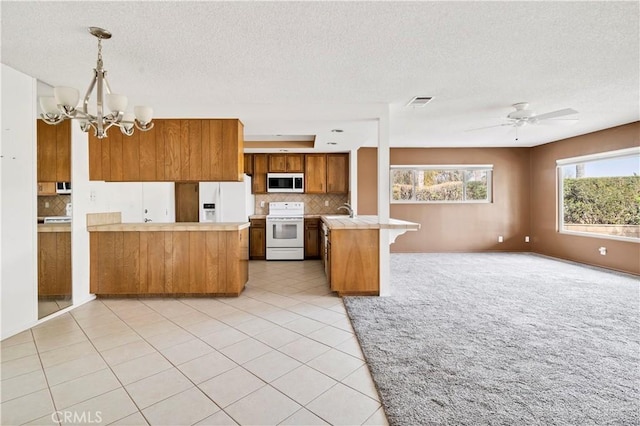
167, 258
350, 249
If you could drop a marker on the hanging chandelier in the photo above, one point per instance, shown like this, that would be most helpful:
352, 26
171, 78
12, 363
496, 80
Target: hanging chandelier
64, 104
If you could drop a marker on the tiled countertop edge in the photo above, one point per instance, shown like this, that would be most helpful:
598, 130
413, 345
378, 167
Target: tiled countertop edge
112, 222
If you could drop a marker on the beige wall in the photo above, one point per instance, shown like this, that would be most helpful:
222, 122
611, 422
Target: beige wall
621, 255
368, 181
458, 227
524, 201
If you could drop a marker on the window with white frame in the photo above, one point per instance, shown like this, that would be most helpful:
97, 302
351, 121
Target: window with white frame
441, 184
599, 195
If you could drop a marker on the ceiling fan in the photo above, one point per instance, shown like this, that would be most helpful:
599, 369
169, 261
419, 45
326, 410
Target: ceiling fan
523, 116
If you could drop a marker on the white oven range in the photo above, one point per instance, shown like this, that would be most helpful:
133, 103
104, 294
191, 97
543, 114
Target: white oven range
285, 231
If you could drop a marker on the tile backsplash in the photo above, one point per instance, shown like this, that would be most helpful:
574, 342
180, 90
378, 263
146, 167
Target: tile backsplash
57, 205
313, 203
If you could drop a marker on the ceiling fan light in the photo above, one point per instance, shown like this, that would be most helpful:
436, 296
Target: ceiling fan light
66, 96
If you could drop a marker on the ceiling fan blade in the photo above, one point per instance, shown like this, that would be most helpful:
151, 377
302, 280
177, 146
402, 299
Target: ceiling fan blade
554, 114
489, 127
558, 121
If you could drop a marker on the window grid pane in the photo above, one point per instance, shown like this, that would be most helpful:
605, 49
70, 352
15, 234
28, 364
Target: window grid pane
476, 185
402, 187
440, 185
601, 197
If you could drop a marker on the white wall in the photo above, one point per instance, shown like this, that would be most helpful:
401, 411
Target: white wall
132, 199
18, 227
82, 204
158, 201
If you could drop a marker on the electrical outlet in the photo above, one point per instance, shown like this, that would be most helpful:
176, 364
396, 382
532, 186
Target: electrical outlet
261, 203
500, 239
526, 239
603, 251
326, 203
46, 204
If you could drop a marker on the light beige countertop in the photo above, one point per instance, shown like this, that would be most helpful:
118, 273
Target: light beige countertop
366, 222
168, 227
54, 227
315, 216
306, 216
112, 222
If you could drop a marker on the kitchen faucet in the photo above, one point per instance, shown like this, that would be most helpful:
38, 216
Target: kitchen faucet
347, 207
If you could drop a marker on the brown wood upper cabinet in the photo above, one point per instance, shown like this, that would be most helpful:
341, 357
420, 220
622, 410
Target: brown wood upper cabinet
47, 188
188, 150
286, 163
54, 151
323, 173
315, 173
326, 173
259, 177
248, 164
337, 173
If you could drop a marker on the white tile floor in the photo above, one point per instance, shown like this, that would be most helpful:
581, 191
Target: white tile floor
283, 352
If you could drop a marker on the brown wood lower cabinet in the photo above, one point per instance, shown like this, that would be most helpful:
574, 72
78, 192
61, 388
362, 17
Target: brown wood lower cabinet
311, 238
169, 262
258, 239
54, 264
353, 261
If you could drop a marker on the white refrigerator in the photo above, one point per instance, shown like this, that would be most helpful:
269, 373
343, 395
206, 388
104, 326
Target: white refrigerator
233, 201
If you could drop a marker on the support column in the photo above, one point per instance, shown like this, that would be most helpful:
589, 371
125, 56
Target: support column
383, 201
353, 180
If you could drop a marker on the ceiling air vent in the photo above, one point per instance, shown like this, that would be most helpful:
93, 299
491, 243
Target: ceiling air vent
419, 101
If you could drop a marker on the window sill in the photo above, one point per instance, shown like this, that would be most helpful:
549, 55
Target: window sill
600, 236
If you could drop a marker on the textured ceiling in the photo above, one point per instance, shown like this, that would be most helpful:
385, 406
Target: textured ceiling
299, 68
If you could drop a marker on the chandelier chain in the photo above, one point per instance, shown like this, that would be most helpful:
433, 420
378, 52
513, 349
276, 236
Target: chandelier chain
100, 52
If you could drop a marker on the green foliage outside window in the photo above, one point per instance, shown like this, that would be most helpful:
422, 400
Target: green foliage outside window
602, 200
440, 185
476, 190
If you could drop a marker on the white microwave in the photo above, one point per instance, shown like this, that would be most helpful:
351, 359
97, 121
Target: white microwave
285, 182
63, 187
